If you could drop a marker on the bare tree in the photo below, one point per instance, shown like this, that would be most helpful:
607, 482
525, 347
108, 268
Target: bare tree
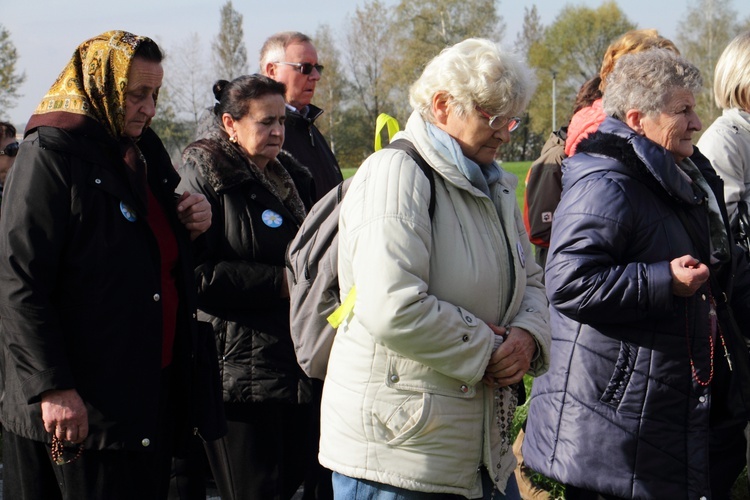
525, 142
705, 30
370, 47
10, 79
332, 87
188, 80
230, 54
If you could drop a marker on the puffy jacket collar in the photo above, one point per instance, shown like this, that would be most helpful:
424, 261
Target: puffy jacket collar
635, 156
416, 132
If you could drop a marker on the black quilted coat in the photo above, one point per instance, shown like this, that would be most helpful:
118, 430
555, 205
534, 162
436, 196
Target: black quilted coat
240, 268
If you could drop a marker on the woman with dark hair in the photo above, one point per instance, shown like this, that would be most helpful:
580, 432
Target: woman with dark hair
99, 337
259, 195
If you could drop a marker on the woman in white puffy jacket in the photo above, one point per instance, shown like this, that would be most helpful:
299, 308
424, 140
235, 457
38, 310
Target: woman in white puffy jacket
449, 311
726, 143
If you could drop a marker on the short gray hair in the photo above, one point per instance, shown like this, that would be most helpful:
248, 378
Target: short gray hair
274, 48
475, 72
645, 80
732, 74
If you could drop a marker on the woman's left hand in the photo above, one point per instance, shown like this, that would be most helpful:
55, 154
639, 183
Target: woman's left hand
194, 211
510, 362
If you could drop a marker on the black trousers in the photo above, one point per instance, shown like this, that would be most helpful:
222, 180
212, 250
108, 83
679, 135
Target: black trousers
318, 481
265, 452
30, 474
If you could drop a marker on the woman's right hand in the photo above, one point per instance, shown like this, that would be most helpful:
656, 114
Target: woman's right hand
688, 274
64, 415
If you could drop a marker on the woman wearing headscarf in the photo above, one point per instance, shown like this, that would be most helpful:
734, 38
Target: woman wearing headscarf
449, 312
99, 336
259, 195
648, 391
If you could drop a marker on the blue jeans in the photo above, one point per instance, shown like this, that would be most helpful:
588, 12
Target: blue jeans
348, 488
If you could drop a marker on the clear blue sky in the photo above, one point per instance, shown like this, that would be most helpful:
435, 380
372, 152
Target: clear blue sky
45, 32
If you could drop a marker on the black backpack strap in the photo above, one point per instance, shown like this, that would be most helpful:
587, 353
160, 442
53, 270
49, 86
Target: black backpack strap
406, 146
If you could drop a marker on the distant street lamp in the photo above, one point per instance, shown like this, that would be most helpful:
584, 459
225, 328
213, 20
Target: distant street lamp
554, 102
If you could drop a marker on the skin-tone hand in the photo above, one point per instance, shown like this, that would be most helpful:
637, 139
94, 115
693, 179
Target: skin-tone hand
688, 274
64, 415
194, 212
510, 362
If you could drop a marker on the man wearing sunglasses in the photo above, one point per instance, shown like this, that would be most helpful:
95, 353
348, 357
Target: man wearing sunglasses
8, 150
290, 58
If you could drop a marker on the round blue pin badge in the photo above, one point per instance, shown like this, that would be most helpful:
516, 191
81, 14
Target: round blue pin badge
127, 212
271, 218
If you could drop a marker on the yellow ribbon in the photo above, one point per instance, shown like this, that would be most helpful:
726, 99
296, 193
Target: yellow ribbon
347, 306
383, 121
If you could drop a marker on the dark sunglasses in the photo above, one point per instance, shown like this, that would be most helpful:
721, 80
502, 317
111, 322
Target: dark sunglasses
304, 68
10, 150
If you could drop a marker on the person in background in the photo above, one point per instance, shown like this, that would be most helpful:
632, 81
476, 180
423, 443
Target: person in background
8, 150
100, 340
290, 57
649, 382
726, 143
259, 196
587, 119
421, 386
544, 179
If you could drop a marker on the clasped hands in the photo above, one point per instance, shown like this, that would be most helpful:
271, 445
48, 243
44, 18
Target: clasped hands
510, 362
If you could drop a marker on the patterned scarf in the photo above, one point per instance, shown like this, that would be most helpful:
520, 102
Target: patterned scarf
92, 85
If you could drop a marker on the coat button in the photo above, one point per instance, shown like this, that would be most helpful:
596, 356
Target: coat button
156, 297
164, 181
702, 399
469, 319
464, 389
394, 378
145, 442
97, 181
465, 338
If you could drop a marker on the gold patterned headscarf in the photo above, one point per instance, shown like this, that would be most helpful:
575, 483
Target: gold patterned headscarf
94, 82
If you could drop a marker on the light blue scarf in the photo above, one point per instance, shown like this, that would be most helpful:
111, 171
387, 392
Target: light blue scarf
480, 176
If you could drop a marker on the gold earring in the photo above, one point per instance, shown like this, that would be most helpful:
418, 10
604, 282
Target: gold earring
233, 139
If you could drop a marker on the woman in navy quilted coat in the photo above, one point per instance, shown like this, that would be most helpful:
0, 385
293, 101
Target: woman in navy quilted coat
647, 392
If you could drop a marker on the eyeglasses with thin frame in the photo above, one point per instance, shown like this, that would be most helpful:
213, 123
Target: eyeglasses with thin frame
497, 122
304, 68
10, 150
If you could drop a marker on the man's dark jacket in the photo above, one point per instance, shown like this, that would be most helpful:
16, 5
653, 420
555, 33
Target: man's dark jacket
80, 299
305, 143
